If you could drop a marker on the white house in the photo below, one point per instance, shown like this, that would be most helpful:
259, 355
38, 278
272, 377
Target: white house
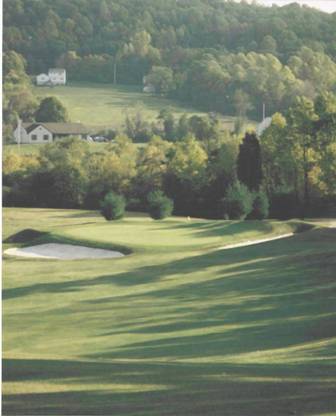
47, 132
56, 76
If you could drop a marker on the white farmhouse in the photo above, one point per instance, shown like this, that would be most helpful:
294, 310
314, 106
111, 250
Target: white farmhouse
55, 76
47, 132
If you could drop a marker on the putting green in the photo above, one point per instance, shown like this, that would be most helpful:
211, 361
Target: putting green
177, 327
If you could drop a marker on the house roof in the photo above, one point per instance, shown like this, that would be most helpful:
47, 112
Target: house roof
58, 128
57, 70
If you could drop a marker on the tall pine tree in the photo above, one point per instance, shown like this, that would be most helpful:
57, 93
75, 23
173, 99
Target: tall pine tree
249, 162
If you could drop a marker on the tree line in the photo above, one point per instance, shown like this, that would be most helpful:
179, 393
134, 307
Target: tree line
218, 55
290, 171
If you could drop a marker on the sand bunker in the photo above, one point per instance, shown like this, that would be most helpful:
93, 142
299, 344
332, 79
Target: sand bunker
252, 242
63, 252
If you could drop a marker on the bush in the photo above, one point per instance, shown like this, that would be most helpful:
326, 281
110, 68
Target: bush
238, 201
159, 205
260, 209
113, 206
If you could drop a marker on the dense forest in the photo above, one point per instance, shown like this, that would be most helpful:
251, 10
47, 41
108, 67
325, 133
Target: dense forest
217, 55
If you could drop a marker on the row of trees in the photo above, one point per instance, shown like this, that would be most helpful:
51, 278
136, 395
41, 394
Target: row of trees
291, 169
299, 151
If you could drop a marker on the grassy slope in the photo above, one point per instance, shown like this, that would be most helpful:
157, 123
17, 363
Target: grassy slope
176, 328
105, 105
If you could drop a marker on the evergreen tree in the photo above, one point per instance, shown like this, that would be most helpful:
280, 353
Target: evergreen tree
249, 162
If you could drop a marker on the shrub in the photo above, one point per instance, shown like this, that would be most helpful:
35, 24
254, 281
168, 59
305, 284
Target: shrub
238, 201
159, 205
260, 208
113, 206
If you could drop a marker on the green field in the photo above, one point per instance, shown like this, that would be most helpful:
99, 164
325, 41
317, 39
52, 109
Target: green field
177, 327
105, 105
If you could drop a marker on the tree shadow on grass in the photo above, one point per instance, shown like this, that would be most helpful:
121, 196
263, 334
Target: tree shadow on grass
258, 261
173, 389
258, 300
141, 276
223, 229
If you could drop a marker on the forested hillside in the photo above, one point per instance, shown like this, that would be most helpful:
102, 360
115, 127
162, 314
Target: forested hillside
219, 56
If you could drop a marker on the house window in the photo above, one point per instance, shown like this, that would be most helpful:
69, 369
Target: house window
34, 137
45, 137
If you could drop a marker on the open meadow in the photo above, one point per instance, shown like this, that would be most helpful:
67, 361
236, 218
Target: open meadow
177, 327
105, 105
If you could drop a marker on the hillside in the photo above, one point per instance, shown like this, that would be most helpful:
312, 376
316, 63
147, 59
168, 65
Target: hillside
176, 328
105, 105
221, 56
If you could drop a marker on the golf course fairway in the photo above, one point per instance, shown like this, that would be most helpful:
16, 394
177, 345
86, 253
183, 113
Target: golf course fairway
176, 327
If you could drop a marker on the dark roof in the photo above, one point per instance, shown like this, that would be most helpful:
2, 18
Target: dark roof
58, 70
58, 128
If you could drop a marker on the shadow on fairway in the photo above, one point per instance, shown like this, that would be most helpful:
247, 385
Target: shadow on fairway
228, 228
257, 331
265, 262
172, 389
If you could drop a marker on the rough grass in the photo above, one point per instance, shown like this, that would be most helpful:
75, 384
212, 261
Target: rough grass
105, 105
177, 327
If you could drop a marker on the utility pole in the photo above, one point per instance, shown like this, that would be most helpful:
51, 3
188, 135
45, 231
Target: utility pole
115, 72
264, 111
19, 132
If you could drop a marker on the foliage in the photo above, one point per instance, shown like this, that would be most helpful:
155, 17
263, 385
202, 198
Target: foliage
136, 126
249, 167
260, 209
161, 78
298, 150
51, 110
152, 164
296, 155
159, 205
18, 98
238, 201
189, 160
219, 56
113, 206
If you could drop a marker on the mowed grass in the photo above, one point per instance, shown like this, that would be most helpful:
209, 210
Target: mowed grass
105, 105
178, 327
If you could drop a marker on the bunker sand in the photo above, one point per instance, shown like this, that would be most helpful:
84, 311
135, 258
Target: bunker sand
252, 242
63, 252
